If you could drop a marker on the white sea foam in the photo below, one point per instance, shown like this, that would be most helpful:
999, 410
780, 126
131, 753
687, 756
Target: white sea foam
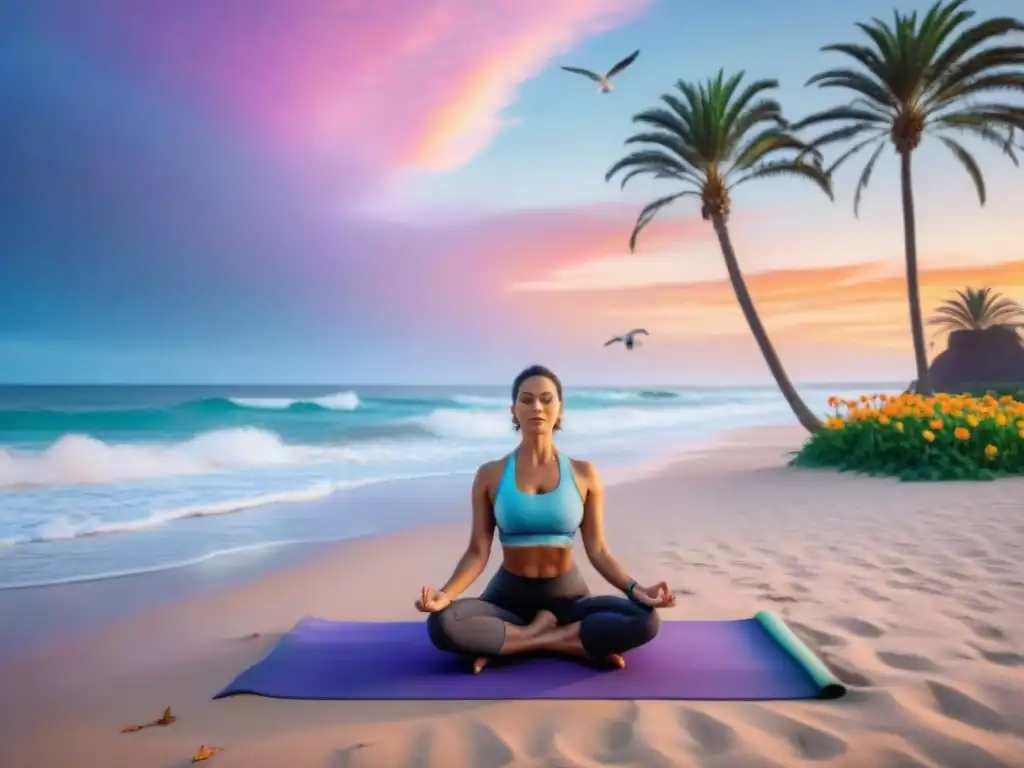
339, 401
80, 459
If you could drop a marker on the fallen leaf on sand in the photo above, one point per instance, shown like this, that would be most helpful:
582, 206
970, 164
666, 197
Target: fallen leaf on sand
166, 718
132, 728
253, 636
205, 753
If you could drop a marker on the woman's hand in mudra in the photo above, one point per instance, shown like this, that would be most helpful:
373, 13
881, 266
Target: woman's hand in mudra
432, 601
656, 596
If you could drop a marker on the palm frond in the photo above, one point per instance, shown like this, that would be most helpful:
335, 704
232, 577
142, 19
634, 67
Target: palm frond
650, 211
969, 163
796, 168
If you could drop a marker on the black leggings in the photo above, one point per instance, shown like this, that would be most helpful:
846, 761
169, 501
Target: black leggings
476, 626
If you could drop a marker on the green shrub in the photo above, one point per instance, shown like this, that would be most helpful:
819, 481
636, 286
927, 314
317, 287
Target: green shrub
946, 437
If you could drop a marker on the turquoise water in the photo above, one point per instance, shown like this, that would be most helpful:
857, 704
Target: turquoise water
97, 481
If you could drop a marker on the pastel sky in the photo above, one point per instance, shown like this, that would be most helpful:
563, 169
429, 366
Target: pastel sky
346, 191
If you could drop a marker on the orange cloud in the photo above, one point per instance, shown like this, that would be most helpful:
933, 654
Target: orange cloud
864, 305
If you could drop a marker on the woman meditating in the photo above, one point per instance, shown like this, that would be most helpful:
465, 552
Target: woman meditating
537, 498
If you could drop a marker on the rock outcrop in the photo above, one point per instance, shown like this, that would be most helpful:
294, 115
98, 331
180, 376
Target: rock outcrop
979, 360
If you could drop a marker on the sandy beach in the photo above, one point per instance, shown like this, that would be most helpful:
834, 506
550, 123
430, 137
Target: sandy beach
913, 593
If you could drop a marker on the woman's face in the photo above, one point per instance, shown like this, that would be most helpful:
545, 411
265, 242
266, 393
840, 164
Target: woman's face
537, 408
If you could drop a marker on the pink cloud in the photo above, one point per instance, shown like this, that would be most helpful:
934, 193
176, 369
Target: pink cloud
416, 84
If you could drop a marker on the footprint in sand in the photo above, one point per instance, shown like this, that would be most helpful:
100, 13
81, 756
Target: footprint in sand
896, 759
983, 630
908, 662
908, 586
710, 735
957, 705
488, 748
816, 637
746, 565
772, 598
904, 571
979, 606
872, 594
1002, 658
858, 627
808, 742
845, 671
622, 747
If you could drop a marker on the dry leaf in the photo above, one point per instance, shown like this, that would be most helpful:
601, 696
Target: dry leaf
132, 728
205, 753
166, 718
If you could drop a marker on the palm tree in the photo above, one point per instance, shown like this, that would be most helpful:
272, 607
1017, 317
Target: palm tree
712, 137
977, 310
938, 75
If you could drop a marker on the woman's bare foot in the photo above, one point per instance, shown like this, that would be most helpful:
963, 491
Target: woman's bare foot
616, 661
479, 663
543, 622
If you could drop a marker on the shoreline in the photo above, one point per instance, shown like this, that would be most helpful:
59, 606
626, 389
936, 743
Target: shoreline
907, 591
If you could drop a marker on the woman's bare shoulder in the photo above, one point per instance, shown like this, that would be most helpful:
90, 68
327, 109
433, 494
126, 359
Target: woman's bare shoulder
583, 468
490, 471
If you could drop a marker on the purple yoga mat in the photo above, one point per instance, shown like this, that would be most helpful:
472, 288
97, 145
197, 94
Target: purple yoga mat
321, 659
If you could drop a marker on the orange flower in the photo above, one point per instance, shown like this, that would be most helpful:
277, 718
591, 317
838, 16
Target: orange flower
928, 435
961, 433
991, 451
935, 424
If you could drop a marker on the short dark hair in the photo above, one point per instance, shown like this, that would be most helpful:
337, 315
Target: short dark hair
529, 373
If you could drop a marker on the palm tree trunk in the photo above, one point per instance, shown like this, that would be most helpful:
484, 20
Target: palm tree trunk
924, 376
807, 420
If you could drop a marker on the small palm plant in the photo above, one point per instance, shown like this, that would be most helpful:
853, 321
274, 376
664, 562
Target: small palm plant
938, 75
709, 138
977, 310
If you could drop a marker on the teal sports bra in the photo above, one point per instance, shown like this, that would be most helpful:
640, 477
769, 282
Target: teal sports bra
538, 520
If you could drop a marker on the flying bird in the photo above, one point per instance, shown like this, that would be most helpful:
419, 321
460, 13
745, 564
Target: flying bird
629, 339
604, 81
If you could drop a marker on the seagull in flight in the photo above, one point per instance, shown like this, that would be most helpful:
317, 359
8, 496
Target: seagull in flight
629, 339
604, 81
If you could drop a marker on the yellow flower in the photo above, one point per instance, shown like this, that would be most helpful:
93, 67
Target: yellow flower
972, 420
899, 428
935, 424
1021, 434
1020, 424
1001, 419
991, 451
928, 435
961, 433
883, 419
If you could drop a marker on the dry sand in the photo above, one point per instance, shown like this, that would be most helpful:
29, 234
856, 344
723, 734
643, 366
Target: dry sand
914, 593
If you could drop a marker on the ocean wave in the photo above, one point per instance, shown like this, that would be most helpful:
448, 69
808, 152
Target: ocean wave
76, 527
462, 425
83, 460
339, 401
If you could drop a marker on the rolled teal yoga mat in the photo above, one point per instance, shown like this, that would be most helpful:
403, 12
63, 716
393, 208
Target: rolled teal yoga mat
829, 686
